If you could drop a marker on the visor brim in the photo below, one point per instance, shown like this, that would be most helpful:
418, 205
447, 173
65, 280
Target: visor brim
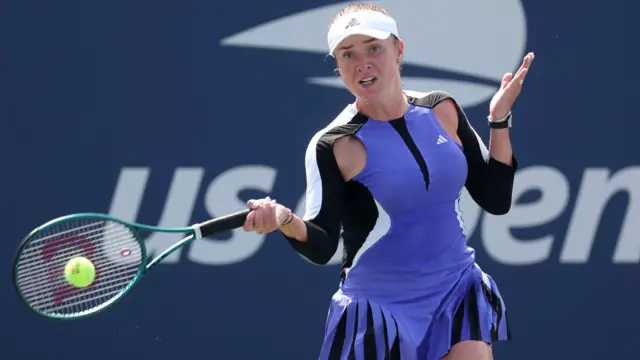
374, 33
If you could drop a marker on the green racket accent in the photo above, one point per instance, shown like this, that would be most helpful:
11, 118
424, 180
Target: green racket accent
116, 249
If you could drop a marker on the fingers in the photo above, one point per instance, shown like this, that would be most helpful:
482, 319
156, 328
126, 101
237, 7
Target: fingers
510, 88
254, 204
270, 219
249, 222
259, 219
520, 75
509, 80
526, 61
263, 218
506, 79
517, 80
526, 64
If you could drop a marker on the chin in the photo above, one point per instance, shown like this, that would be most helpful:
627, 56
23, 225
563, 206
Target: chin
369, 96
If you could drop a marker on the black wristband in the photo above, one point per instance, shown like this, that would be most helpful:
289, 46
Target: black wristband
503, 123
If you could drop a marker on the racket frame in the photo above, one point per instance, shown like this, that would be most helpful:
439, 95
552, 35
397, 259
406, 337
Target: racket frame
195, 232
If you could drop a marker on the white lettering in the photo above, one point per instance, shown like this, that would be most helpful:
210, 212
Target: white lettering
497, 239
127, 197
177, 208
597, 189
222, 198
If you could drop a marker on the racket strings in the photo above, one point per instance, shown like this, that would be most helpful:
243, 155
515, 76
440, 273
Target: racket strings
30, 256
113, 249
38, 287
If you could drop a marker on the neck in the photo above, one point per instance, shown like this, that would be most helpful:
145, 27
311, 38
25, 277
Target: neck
390, 109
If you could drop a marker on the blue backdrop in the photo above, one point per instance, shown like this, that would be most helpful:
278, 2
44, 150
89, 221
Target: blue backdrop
170, 112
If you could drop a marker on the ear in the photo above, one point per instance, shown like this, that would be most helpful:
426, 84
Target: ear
400, 49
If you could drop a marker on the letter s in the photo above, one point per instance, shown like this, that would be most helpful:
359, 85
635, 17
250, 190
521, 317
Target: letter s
222, 198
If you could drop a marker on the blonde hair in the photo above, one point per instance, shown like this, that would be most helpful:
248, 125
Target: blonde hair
355, 7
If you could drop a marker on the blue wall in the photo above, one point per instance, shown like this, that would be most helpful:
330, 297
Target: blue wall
194, 107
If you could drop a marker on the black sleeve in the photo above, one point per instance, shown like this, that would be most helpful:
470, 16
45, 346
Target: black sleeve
324, 203
489, 182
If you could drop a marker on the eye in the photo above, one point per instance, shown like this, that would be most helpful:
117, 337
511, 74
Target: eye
346, 55
375, 48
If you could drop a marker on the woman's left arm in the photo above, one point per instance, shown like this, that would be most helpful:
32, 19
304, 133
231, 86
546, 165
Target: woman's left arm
500, 146
491, 172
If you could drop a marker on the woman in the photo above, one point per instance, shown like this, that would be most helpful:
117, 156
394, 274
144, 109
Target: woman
416, 292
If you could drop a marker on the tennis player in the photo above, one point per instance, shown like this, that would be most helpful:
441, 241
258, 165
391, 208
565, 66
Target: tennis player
414, 293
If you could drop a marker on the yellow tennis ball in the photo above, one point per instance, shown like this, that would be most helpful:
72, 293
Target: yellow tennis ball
80, 272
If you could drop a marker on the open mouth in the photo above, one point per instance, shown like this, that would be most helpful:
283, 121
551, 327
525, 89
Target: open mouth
368, 81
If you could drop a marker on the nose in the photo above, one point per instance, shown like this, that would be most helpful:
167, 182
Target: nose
363, 64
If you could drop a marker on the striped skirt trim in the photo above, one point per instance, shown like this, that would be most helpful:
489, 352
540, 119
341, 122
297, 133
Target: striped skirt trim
365, 331
480, 316
358, 329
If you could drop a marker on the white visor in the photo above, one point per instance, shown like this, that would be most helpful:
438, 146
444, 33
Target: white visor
365, 22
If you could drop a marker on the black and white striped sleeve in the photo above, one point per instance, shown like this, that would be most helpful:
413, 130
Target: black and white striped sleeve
324, 202
489, 181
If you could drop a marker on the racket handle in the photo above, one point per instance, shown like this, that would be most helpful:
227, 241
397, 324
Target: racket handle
220, 224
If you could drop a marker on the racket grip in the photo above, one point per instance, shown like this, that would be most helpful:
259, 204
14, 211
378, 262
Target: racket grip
223, 223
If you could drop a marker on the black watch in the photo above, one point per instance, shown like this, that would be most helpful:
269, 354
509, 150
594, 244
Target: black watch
503, 123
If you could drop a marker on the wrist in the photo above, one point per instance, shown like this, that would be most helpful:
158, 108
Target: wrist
286, 217
495, 116
500, 133
503, 122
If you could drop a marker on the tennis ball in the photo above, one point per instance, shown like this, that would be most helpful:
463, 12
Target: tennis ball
80, 272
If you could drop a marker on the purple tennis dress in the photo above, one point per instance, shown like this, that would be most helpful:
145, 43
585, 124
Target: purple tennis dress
411, 290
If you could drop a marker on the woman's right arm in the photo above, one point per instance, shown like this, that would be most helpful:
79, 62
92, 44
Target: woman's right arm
317, 233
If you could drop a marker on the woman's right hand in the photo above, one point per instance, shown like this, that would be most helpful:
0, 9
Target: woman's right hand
266, 216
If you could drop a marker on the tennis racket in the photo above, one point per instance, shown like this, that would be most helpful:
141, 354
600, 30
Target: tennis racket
115, 248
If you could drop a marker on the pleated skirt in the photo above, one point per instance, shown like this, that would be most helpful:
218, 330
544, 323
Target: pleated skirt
361, 328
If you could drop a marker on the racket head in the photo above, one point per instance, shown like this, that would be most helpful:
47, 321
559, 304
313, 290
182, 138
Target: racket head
114, 248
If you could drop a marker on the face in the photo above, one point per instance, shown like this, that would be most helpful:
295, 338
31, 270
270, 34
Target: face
369, 67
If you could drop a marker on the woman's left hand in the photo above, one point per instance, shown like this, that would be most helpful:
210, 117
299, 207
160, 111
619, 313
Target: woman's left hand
510, 88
